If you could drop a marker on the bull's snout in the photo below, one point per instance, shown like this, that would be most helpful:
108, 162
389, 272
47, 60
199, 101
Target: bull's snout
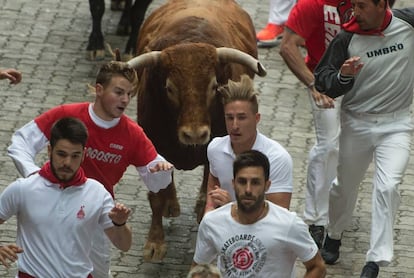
194, 135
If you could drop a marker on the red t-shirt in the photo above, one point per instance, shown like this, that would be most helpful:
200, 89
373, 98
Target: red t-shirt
108, 151
318, 22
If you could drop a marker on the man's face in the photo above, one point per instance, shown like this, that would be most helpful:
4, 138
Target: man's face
113, 99
250, 187
368, 15
65, 159
241, 121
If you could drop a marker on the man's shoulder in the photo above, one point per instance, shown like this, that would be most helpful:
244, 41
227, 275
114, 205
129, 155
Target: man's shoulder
269, 146
218, 143
217, 215
406, 14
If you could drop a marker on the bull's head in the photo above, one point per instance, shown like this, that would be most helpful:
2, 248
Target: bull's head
191, 83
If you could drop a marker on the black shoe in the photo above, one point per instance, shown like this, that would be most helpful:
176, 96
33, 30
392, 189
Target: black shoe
370, 270
330, 250
318, 234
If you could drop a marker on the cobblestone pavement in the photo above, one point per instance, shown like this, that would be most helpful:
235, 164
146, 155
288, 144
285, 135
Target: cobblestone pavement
46, 40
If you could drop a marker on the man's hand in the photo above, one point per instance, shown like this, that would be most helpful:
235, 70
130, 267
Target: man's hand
161, 166
219, 196
9, 253
322, 100
13, 75
119, 214
351, 66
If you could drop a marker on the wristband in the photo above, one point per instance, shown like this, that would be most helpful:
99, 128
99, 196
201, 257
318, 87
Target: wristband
118, 225
311, 85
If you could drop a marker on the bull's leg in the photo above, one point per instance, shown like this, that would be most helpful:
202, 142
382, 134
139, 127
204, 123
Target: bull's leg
162, 203
117, 5
202, 195
124, 25
95, 48
171, 206
137, 17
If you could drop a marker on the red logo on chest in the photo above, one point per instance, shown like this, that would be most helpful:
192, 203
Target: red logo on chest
81, 213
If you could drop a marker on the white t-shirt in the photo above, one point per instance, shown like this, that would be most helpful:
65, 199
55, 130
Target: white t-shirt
267, 248
55, 226
221, 156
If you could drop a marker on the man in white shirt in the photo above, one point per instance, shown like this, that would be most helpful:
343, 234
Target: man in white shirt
241, 117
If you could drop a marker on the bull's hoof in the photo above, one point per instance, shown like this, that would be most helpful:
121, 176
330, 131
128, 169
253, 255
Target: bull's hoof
171, 209
96, 55
154, 252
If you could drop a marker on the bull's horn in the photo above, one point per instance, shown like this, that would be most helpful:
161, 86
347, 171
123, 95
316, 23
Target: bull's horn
227, 54
145, 60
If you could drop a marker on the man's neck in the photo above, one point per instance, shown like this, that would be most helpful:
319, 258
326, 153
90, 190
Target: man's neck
251, 217
242, 147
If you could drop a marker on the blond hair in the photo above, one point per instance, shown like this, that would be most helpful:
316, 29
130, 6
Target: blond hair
242, 90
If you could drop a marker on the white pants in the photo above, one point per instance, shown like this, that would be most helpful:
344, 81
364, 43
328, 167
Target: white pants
323, 160
279, 11
101, 255
386, 139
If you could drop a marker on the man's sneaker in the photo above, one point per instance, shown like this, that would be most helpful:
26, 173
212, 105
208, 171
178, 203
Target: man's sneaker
269, 35
370, 270
330, 250
318, 234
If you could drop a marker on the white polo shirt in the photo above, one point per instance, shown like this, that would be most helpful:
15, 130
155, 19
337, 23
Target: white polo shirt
55, 226
221, 156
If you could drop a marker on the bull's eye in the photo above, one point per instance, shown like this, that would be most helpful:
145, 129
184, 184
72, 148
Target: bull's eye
172, 95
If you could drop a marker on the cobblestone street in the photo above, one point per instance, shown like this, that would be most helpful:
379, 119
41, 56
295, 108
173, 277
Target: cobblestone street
46, 40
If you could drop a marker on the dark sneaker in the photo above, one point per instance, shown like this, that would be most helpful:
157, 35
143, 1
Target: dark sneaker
330, 250
318, 234
370, 270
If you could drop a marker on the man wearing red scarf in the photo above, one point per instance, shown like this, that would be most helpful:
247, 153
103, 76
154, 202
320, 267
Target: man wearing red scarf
371, 64
57, 208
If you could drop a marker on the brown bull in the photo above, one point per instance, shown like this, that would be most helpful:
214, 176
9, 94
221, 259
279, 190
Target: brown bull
186, 50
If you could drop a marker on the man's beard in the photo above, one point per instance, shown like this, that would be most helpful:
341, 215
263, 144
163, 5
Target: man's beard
56, 174
257, 205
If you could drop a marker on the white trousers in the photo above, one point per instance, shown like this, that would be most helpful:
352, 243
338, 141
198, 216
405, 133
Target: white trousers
322, 164
385, 138
101, 255
279, 11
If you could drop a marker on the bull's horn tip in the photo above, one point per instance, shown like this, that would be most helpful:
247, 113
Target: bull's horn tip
261, 70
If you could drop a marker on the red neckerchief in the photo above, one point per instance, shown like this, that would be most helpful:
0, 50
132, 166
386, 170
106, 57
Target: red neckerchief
78, 179
353, 27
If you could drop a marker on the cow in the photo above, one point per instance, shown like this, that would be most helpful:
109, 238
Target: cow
186, 50
130, 23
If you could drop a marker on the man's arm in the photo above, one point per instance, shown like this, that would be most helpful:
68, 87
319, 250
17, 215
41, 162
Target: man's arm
291, 54
120, 234
26, 142
315, 268
157, 174
328, 76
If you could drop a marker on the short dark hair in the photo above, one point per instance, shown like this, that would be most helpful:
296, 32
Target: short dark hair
116, 68
69, 128
251, 158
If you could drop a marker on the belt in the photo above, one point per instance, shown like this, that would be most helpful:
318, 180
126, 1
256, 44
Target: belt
25, 275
